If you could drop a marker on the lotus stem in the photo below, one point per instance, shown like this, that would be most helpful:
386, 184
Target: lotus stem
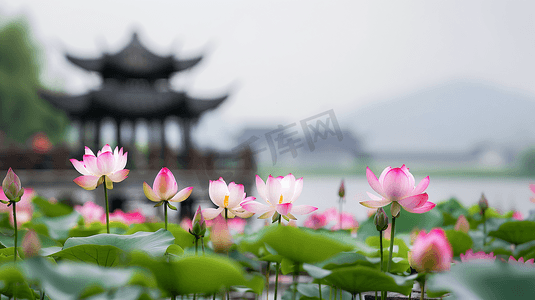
202, 245
484, 230
277, 267
319, 287
16, 233
196, 245
340, 215
165, 216
422, 285
295, 277
381, 248
392, 232
383, 293
267, 279
15, 246
107, 207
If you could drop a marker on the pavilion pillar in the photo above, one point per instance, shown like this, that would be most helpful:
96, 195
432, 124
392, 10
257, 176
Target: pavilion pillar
186, 133
118, 135
163, 145
97, 134
83, 133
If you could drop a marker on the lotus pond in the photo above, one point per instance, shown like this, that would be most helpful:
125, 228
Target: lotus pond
50, 250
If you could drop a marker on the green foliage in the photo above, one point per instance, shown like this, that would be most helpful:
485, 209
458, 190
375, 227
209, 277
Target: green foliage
302, 246
50, 209
206, 274
363, 279
527, 163
22, 112
459, 241
153, 243
515, 232
182, 238
70, 280
11, 275
487, 281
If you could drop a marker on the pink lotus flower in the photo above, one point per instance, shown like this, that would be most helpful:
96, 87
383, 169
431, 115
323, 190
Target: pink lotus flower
24, 207
12, 187
134, 217
462, 224
348, 222
396, 186
220, 235
316, 221
520, 261
186, 224
431, 252
518, 216
532, 188
90, 211
227, 199
165, 188
106, 167
31, 244
480, 256
279, 193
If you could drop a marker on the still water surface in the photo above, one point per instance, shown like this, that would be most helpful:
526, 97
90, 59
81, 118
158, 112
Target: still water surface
503, 194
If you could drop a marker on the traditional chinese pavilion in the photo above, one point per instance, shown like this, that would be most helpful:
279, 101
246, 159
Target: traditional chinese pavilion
135, 84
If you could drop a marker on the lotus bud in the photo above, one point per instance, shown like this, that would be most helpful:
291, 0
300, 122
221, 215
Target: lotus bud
31, 244
483, 204
431, 252
342, 190
462, 224
12, 186
381, 219
220, 235
198, 224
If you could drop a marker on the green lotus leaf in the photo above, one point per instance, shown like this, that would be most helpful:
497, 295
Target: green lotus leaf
360, 279
70, 280
50, 209
153, 243
206, 274
101, 255
400, 248
459, 241
515, 232
316, 272
301, 246
10, 275
345, 259
486, 281
182, 238
59, 227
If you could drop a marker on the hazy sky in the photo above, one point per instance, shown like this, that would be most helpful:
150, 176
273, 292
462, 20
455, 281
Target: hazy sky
287, 60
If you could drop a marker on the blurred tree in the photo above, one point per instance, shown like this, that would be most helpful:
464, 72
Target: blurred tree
22, 112
527, 162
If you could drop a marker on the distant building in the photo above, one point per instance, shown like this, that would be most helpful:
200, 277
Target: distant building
483, 155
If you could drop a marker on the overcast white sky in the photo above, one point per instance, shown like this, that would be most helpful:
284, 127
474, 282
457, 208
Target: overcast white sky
288, 60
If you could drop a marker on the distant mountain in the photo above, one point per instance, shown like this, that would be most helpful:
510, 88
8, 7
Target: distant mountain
456, 116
